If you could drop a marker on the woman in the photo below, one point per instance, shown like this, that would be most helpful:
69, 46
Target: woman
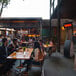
38, 53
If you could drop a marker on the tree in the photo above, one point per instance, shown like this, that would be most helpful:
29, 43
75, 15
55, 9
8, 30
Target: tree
3, 4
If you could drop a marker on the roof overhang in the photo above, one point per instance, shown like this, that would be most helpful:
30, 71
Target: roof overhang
19, 22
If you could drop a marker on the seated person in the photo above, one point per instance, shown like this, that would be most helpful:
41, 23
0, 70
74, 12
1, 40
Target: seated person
38, 52
14, 46
22, 42
3, 55
53, 48
38, 57
41, 44
36, 44
30, 42
4, 50
51, 42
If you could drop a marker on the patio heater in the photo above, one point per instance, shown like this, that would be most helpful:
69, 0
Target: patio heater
68, 45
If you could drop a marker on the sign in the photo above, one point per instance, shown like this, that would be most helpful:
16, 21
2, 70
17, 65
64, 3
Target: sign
67, 25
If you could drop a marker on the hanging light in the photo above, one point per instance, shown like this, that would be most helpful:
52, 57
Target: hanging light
29, 35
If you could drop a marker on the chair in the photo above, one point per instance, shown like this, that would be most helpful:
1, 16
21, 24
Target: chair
19, 69
53, 49
4, 69
1, 69
1, 65
37, 62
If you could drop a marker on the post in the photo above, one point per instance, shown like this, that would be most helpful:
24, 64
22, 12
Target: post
40, 29
50, 21
58, 16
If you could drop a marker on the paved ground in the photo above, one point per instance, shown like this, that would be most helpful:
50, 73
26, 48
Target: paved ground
58, 65
34, 71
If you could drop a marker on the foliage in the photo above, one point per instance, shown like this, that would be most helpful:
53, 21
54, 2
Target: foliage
3, 4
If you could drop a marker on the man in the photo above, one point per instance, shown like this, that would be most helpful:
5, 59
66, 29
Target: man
3, 50
3, 56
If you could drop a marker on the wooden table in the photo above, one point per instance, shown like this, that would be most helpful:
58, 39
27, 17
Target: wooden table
47, 47
25, 42
21, 56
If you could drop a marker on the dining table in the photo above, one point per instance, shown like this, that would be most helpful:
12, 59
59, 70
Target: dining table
21, 55
47, 47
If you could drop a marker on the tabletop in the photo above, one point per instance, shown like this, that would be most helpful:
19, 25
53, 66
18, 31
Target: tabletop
47, 46
21, 55
26, 42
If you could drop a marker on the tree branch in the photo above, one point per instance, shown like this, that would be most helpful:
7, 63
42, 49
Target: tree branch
1, 9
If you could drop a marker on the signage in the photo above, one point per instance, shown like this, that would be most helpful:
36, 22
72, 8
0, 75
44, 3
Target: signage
67, 25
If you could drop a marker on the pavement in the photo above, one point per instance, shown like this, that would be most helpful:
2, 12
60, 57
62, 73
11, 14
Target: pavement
58, 65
